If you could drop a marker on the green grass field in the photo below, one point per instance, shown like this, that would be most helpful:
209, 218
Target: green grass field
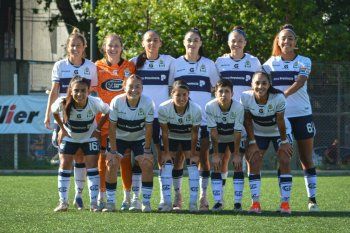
27, 204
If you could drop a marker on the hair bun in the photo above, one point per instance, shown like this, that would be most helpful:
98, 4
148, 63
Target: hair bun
287, 26
238, 27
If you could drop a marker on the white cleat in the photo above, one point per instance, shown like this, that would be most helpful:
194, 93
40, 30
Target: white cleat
110, 207
177, 201
203, 204
313, 207
135, 205
63, 206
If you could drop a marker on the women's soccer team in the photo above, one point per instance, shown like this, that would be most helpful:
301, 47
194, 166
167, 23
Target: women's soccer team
194, 111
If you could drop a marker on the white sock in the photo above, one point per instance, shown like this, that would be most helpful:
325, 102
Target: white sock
147, 188
110, 191
216, 186
310, 178
166, 182
238, 185
160, 186
79, 178
255, 183
193, 178
101, 196
177, 180
93, 184
286, 187
136, 185
63, 184
127, 196
204, 180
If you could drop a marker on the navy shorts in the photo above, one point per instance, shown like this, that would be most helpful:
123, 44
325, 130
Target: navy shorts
264, 142
174, 145
223, 145
303, 127
203, 133
88, 148
135, 146
156, 131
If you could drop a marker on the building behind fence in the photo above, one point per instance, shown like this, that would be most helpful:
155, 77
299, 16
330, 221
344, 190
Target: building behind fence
329, 90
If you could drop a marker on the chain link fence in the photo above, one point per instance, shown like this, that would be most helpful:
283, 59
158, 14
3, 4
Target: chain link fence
329, 90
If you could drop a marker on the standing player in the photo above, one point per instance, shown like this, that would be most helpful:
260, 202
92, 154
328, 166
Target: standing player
201, 75
62, 73
225, 121
153, 68
130, 128
238, 67
78, 132
179, 119
264, 122
111, 71
289, 72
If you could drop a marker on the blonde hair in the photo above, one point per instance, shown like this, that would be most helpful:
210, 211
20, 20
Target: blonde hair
76, 34
104, 43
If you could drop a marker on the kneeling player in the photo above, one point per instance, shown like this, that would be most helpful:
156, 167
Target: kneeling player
225, 121
264, 122
78, 133
130, 128
179, 119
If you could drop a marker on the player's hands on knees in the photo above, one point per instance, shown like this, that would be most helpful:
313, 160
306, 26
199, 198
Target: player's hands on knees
253, 153
216, 161
286, 148
237, 162
112, 158
61, 134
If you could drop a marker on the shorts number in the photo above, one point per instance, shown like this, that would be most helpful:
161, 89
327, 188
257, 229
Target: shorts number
93, 146
310, 127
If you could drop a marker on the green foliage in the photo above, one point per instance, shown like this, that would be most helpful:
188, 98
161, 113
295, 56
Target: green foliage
27, 204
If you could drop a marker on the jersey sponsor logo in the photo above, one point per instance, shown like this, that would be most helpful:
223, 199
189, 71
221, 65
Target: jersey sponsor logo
236, 66
8, 115
150, 65
112, 85
275, 63
115, 72
76, 71
191, 69
286, 67
127, 72
238, 78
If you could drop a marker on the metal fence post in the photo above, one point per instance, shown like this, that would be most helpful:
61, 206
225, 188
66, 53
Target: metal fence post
15, 139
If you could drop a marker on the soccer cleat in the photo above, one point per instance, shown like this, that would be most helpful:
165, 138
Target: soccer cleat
160, 206
146, 207
313, 207
125, 205
78, 203
217, 207
101, 204
203, 204
237, 207
94, 207
284, 208
63, 206
110, 207
135, 205
177, 201
166, 207
193, 207
255, 208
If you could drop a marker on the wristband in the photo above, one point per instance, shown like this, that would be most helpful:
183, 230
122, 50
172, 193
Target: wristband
284, 141
251, 142
147, 150
97, 130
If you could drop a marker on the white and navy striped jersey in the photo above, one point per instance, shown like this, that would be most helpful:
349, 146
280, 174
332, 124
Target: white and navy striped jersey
283, 75
155, 79
81, 123
180, 126
225, 122
63, 71
131, 121
264, 115
239, 72
200, 76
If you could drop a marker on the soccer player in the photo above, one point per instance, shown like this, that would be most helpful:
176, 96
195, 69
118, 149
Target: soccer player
201, 75
179, 119
238, 67
153, 68
289, 72
130, 128
225, 121
111, 72
62, 73
264, 122
78, 132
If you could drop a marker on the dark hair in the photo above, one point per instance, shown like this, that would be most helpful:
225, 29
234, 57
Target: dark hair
224, 83
103, 47
238, 29
196, 31
68, 101
276, 50
179, 84
271, 89
80, 36
133, 76
141, 58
